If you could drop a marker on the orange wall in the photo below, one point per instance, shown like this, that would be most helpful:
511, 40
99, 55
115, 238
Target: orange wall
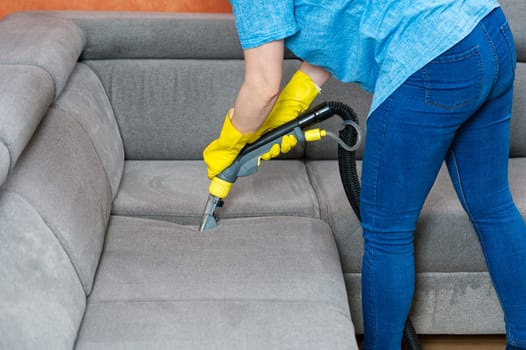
9, 6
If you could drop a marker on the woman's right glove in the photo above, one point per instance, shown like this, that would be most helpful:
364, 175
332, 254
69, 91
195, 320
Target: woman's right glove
223, 151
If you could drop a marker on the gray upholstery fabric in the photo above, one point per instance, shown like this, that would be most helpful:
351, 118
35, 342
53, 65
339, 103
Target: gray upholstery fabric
171, 109
177, 191
85, 100
518, 121
53, 44
42, 301
25, 95
259, 283
61, 176
444, 303
515, 11
444, 239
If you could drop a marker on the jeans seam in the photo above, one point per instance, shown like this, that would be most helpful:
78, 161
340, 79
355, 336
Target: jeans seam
464, 201
384, 126
493, 52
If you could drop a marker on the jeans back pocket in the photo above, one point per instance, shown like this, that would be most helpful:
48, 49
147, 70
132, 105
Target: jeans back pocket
453, 81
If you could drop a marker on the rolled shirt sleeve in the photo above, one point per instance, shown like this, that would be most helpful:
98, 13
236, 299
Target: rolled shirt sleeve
261, 21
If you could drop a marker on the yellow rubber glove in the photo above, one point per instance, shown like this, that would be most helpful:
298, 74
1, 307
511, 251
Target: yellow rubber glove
294, 99
222, 152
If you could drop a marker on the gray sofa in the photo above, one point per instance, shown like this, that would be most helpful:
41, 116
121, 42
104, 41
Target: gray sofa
103, 118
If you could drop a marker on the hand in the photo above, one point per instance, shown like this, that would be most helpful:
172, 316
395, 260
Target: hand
293, 100
222, 152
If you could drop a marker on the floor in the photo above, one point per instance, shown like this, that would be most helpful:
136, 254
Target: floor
455, 342
486, 342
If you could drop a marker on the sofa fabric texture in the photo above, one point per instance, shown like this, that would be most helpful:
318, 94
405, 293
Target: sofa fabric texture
103, 118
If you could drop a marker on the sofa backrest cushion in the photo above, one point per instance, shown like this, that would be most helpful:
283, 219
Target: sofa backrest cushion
25, 95
157, 35
42, 298
61, 176
171, 109
53, 44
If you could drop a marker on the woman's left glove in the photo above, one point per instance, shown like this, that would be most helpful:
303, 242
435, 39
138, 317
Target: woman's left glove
222, 152
294, 99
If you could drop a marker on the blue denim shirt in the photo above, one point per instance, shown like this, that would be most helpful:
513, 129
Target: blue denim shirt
376, 43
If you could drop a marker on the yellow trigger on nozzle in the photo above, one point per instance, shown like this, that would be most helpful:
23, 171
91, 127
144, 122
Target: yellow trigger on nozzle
219, 188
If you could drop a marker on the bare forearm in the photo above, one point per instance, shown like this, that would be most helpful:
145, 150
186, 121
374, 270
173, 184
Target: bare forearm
252, 107
318, 75
260, 88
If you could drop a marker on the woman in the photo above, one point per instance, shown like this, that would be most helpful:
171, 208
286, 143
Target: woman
441, 73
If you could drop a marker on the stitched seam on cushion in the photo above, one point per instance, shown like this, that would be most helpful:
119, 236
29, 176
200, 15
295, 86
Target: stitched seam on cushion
9, 154
334, 306
62, 242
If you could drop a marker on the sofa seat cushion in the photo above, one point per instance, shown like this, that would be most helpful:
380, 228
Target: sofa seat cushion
445, 240
261, 283
177, 191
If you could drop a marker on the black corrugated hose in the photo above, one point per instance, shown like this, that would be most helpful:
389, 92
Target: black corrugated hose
351, 185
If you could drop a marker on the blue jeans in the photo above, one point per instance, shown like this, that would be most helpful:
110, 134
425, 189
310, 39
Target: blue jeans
456, 109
